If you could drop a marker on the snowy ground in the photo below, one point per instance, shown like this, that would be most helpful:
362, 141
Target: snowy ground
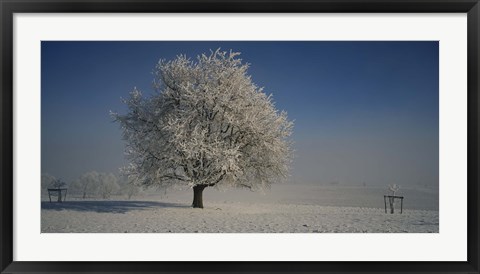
285, 208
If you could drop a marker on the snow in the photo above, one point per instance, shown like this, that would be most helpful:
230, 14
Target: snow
285, 208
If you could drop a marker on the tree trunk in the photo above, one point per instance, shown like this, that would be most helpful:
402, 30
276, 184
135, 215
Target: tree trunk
59, 196
197, 196
392, 205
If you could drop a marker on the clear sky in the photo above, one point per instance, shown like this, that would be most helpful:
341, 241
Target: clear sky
363, 111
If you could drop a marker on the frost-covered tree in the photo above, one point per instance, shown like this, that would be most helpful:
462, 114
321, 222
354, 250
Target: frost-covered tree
86, 185
106, 185
127, 188
393, 188
58, 183
46, 182
95, 183
207, 124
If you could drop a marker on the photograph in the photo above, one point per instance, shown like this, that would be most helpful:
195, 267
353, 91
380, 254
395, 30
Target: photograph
239, 137
269, 136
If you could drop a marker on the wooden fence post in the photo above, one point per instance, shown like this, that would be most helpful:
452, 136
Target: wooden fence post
385, 201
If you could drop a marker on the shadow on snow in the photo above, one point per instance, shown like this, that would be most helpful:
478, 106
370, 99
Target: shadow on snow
106, 206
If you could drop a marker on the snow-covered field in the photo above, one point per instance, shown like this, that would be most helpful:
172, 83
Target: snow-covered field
285, 208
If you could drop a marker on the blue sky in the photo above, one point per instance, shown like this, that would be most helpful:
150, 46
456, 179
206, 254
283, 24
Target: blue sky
363, 111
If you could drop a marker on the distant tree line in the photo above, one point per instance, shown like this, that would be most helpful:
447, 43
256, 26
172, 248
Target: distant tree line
92, 184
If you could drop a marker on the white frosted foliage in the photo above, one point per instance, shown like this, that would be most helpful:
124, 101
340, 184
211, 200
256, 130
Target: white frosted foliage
207, 124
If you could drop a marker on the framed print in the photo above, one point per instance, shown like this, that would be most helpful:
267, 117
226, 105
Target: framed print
246, 137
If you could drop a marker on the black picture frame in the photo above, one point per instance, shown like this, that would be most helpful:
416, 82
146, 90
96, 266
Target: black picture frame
9, 7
